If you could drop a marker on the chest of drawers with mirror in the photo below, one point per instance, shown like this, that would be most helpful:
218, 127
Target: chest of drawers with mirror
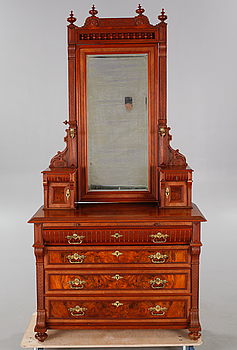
117, 242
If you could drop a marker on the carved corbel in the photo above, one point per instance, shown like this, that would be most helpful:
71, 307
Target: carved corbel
61, 159
175, 157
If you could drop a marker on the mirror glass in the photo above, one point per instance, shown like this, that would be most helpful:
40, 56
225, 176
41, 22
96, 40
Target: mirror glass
117, 122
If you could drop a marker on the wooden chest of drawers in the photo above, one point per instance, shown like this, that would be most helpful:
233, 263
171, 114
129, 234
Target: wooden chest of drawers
117, 266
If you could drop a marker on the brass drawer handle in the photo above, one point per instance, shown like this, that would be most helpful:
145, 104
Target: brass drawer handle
77, 311
158, 236
167, 192
75, 237
117, 253
117, 277
68, 194
158, 258
157, 283
78, 259
117, 303
157, 310
116, 235
77, 284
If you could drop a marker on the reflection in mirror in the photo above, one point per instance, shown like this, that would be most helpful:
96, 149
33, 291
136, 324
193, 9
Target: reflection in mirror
117, 122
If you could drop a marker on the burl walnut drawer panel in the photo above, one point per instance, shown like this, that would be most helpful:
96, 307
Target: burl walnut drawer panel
91, 282
119, 308
136, 236
123, 256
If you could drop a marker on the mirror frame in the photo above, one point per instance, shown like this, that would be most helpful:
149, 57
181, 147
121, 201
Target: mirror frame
144, 195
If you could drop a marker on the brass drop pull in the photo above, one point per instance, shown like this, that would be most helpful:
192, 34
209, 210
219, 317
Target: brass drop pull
76, 258
72, 133
162, 132
76, 284
157, 310
75, 239
117, 253
158, 258
158, 236
117, 277
68, 194
157, 283
116, 235
117, 303
167, 192
77, 311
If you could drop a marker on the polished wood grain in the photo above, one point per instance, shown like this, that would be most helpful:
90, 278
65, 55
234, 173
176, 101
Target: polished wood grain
134, 214
119, 280
130, 309
117, 255
119, 236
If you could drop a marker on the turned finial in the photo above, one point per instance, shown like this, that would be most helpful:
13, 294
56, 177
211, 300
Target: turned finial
162, 17
71, 19
140, 10
93, 11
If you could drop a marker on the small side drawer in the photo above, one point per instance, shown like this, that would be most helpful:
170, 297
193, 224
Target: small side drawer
120, 236
91, 282
79, 310
124, 256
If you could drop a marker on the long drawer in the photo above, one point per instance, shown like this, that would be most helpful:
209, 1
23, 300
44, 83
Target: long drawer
124, 256
124, 236
153, 309
117, 281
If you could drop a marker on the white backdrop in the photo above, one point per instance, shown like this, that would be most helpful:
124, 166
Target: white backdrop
202, 111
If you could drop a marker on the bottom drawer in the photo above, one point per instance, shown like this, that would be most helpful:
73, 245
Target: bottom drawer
87, 309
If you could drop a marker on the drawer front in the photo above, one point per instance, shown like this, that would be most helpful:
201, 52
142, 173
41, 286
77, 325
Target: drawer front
123, 256
117, 280
137, 236
81, 309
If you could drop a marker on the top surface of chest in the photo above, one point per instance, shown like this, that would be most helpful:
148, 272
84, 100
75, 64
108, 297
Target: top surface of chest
118, 214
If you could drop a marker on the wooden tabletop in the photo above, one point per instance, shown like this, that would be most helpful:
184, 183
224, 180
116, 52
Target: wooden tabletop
115, 212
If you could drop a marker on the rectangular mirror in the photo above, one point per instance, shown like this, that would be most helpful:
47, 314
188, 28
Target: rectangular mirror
117, 122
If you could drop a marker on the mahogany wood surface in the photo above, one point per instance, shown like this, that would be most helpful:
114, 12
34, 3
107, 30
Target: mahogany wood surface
117, 259
82, 283
133, 214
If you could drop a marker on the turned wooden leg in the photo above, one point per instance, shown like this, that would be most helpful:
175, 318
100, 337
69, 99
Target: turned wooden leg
194, 335
41, 336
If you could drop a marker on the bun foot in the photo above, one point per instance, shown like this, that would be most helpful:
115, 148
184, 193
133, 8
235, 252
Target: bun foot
194, 335
41, 336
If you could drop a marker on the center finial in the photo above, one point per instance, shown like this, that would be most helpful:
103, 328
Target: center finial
93, 11
140, 10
